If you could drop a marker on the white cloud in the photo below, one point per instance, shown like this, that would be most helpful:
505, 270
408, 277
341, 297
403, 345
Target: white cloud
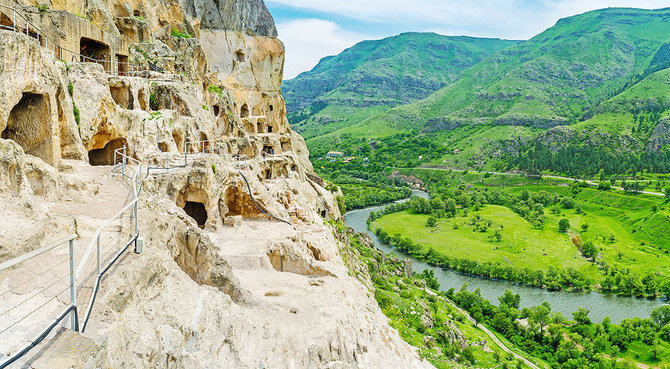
309, 40
514, 19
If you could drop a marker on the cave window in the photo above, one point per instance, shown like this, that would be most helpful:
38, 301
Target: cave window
197, 211
216, 110
93, 51
244, 111
259, 127
268, 174
239, 56
269, 128
286, 146
105, 155
268, 149
293, 168
323, 213
271, 108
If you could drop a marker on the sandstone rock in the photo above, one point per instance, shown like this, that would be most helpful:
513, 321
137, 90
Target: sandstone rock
223, 281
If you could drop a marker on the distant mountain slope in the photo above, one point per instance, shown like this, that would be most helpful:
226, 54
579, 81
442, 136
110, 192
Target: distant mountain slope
372, 76
550, 80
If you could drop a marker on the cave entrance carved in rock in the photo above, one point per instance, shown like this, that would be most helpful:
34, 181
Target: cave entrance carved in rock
105, 155
197, 211
93, 51
29, 125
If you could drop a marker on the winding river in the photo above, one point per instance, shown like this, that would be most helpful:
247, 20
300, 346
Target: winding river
616, 307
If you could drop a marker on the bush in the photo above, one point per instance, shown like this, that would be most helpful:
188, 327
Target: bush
153, 101
178, 33
605, 186
661, 315
75, 111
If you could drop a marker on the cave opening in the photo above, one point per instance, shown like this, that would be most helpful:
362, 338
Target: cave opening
239, 56
216, 109
122, 64
29, 125
197, 211
93, 51
244, 111
268, 150
105, 155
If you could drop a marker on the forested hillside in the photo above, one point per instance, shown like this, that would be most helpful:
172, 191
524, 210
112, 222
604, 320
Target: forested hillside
593, 87
373, 76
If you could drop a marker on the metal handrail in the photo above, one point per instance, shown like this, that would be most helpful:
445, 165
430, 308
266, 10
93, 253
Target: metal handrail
20, 259
43, 36
135, 182
72, 308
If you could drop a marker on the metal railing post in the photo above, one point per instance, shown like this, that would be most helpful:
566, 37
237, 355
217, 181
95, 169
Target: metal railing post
124, 164
74, 324
98, 246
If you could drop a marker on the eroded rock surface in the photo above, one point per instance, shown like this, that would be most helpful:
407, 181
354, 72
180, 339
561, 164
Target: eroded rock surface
240, 268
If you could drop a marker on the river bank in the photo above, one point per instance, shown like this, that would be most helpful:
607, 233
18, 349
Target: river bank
616, 307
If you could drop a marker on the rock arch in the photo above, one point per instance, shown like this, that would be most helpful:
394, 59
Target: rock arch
105, 155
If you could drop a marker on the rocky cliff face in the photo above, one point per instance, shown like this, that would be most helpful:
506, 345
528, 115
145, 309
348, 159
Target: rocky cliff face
222, 286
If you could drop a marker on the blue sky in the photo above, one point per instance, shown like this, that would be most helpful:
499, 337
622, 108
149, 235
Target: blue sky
312, 29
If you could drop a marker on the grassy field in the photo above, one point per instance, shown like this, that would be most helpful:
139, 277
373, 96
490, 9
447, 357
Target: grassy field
641, 235
639, 224
521, 245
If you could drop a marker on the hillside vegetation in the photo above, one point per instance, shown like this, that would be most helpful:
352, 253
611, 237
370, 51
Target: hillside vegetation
373, 76
595, 86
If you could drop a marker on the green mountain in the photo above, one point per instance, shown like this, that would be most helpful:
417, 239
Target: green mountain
552, 78
373, 76
601, 72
